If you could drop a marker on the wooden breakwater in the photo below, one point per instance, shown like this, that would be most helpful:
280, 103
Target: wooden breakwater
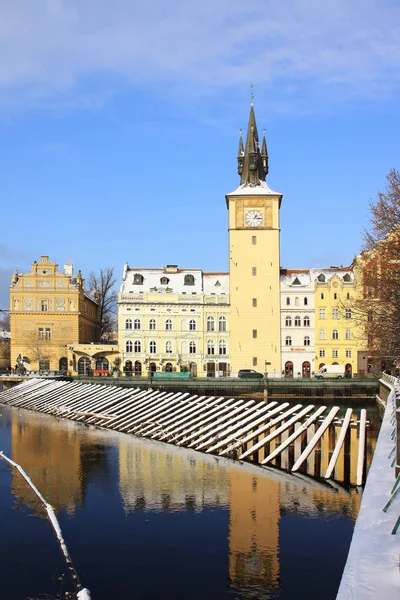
292, 436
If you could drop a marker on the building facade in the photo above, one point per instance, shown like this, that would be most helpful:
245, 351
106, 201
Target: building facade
48, 310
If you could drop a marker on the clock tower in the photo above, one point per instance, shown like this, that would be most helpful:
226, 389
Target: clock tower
254, 261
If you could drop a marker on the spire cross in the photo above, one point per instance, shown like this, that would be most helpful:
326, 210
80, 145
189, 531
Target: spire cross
252, 85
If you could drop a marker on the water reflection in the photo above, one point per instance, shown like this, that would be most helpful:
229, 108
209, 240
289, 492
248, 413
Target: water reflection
77, 467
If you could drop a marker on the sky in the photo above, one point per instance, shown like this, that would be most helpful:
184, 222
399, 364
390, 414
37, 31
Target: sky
119, 127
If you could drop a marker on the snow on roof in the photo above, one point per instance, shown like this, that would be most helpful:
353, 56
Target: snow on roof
262, 189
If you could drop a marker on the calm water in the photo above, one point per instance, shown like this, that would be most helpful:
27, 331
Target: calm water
144, 520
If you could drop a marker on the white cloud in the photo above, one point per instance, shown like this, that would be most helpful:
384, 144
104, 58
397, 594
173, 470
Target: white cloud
50, 47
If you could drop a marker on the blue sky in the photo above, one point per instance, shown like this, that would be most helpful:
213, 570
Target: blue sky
119, 125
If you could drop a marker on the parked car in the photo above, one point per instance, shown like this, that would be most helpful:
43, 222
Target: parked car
249, 374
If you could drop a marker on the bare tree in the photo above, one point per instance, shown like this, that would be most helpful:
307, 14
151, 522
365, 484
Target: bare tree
39, 351
102, 286
377, 307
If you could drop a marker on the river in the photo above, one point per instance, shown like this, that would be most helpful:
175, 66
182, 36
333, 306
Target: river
145, 520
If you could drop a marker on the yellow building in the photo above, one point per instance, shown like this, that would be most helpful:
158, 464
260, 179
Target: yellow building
335, 339
48, 310
254, 261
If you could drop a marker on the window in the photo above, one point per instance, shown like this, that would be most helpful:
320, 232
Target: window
348, 296
335, 296
222, 347
152, 324
348, 313
164, 281
306, 321
322, 353
348, 334
322, 295
47, 334
370, 317
138, 279
128, 324
288, 321
210, 324
288, 340
296, 281
306, 341
41, 333
254, 302
322, 314
210, 347
335, 313
254, 240
222, 324
153, 347
192, 348
168, 347
254, 270
335, 353
335, 334
348, 353
128, 346
296, 301
168, 325
347, 278
297, 321
288, 301
189, 280
321, 278
254, 361
44, 305
322, 334
192, 325
138, 346
137, 324
254, 333
305, 301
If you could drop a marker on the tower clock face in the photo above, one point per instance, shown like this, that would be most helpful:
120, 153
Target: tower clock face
253, 218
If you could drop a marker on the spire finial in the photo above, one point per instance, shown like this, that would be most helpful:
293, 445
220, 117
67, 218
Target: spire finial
252, 85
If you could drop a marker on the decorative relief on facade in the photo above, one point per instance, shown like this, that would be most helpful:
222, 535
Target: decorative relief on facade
60, 303
239, 217
28, 303
61, 283
28, 283
72, 305
16, 304
44, 272
44, 283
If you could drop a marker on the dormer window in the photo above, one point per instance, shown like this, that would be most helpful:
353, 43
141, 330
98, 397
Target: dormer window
138, 279
189, 280
296, 281
347, 278
164, 281
217, 284
321, 278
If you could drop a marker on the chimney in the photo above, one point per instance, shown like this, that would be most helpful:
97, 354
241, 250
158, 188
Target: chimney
68, 270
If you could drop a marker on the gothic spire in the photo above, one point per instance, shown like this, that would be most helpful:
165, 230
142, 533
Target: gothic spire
253, 161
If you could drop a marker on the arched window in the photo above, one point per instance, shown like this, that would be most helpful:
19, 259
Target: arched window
348, 334
222, 324
128, 346
222, 347
192, 348
210, 324
168, 325
153, 347
210, 347
288, 340
183, 325
189, 280
288, 301
348, 313
128, 324
306, 321
335, 334
138, 346
288, 321
168, 347
152, 324
322, 334
137, 324
128, 367
138, 279
297, 321
306, 340
101, 363
192, 325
